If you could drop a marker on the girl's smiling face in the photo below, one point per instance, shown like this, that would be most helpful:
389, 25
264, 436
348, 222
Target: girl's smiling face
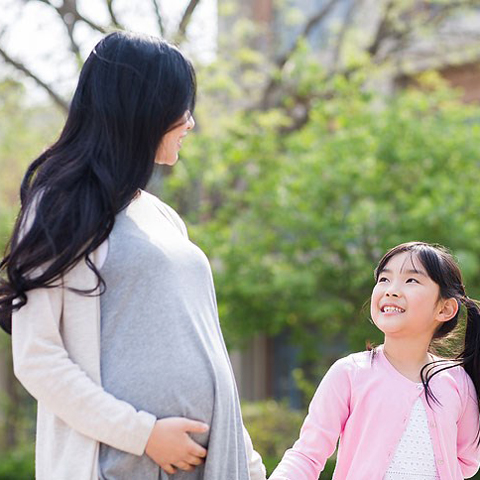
167, 153
406, 301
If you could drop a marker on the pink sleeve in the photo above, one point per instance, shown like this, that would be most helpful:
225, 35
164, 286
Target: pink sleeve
468, 451
327, 414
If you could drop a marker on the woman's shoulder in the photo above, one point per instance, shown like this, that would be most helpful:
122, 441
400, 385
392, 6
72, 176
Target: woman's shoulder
154, 200
166, 210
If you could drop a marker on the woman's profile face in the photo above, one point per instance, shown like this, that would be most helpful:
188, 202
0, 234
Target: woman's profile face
167, 153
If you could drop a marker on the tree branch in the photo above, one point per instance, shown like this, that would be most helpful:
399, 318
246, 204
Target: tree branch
159, 16
401, 36
113, 17
347, 23
382, 30
396, 38
19, 66
312, 23
73, 44
69, 15
70, 7
386, 30
281, 61
187, 15
441, 14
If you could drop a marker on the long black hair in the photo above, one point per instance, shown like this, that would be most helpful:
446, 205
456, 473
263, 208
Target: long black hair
132, 90
442, 268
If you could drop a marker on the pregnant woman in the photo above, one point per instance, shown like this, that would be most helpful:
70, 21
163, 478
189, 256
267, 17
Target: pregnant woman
112, 309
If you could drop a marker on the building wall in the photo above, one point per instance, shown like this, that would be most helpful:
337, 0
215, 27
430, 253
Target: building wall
264, 370
467, 78
252, 367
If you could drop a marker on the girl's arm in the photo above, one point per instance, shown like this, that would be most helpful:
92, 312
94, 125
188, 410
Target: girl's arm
468, 451
327, 414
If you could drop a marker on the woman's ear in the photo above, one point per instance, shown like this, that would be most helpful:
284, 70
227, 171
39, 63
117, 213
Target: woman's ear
449, 308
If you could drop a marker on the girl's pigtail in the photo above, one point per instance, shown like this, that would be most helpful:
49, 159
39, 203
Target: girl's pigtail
469, 358
471, 353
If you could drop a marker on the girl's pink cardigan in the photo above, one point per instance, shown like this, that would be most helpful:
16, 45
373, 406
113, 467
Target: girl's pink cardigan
367, 402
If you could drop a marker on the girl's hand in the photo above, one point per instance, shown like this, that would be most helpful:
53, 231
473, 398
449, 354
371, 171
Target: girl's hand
170, 446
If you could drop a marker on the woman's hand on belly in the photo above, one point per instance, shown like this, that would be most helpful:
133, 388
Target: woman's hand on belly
171, 447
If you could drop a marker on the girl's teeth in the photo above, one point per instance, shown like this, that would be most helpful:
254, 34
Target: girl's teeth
392, 309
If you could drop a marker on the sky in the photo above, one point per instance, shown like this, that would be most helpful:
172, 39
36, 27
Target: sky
31, 32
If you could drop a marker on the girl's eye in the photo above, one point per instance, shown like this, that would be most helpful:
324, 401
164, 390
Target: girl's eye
382, 279
412, 280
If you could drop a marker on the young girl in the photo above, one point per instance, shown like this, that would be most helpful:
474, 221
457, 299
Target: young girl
400, 411
115, 327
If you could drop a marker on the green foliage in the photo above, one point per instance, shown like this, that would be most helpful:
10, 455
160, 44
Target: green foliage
25, 130
294, 222
18, 464
274, 428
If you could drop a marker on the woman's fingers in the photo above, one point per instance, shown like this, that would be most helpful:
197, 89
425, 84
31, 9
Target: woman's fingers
170, 446
185, 466
194, 426
188, 464
170, 469
193, 460
196, 449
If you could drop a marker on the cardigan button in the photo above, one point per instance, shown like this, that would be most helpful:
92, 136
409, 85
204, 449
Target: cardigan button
433, 424
440, 462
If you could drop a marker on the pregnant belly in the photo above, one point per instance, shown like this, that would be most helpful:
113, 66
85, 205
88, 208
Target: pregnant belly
169, 384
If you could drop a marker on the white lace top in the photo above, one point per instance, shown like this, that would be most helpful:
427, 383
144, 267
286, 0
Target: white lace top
414, 458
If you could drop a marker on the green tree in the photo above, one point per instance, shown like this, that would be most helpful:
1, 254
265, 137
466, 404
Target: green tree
294, 223
24, 132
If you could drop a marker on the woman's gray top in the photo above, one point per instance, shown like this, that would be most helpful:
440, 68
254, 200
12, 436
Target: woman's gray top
161, 345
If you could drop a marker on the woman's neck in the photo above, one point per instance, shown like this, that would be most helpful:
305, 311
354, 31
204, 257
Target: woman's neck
407, 356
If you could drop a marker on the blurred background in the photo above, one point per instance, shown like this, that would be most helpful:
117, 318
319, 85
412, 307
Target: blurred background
327, 132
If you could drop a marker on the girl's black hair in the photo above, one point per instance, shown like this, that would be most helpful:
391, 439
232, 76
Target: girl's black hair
442, 268
132, 90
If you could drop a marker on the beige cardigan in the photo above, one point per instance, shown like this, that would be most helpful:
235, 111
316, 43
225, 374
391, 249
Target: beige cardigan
56, 355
